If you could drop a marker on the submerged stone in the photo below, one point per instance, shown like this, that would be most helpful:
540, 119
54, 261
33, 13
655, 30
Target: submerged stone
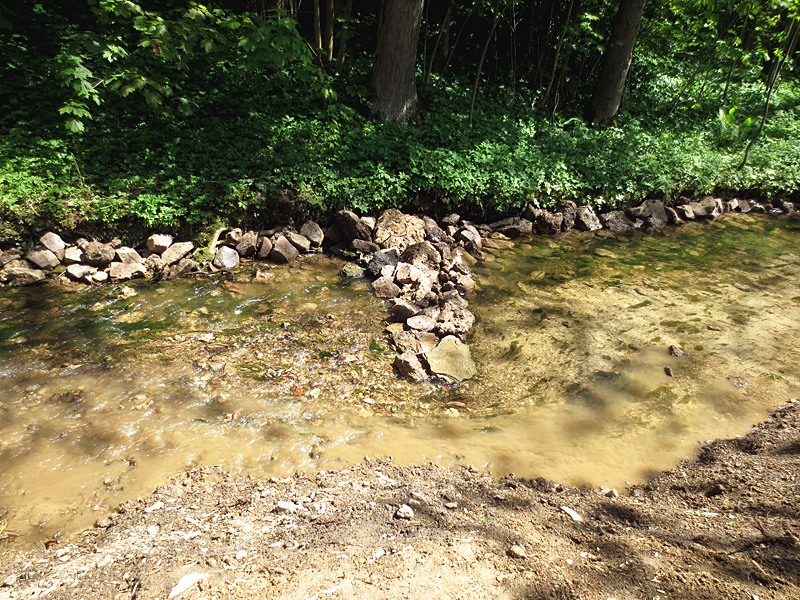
451, 360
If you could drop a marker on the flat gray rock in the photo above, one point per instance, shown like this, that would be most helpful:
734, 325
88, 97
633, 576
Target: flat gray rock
54, 243
176, 252
43, 258
451, 360
20, 273
128, 255
122, 271
80, 272
73, 255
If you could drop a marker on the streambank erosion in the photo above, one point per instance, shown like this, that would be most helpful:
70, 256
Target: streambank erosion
724, 526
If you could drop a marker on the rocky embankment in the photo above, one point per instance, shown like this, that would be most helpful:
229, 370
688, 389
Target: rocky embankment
418, 264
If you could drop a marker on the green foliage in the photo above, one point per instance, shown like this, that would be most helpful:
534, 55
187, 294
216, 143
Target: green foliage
192, 115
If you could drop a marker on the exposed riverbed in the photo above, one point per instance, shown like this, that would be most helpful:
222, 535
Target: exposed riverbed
105, 392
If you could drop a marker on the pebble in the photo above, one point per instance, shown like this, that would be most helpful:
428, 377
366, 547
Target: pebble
575, 516
285, 506
404, 512
517, 551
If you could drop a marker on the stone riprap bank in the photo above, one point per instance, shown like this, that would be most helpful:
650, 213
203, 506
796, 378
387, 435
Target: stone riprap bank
421, 266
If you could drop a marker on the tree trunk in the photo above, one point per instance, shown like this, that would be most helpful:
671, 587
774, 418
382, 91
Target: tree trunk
343, 33
393, 85
330, 17
617, 61
317, 27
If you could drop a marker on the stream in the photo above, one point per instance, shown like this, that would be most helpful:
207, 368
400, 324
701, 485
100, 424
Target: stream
107, 392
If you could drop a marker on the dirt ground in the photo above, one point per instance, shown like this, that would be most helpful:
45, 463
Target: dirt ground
725, 526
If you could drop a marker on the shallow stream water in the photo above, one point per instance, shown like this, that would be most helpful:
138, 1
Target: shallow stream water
106, 392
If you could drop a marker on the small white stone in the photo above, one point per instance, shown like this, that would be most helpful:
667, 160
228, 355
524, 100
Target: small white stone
575, 516
404, 512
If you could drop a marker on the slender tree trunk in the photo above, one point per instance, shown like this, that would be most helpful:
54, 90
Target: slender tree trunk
343, 37
483, 57
441, 39
393, 83
330, 17
616, 61
317, 27
546, 97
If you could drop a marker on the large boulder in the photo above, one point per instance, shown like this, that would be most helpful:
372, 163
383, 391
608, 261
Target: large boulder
569, 210
301, 242
397, 230
158, 242
381, 259
617, 221
54, 243
422, 255
586, 219
19, 272
409, 366
384, 287
43, 258
99, 255
264, 248
226, 258
176, 252
544, 222
313, 233
283, 251
451, 360
353, 227
248, 243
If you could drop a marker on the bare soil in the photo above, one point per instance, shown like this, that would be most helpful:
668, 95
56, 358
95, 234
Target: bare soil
725, 526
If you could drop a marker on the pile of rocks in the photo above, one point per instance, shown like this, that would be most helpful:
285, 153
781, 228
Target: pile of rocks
421, 266
93, 262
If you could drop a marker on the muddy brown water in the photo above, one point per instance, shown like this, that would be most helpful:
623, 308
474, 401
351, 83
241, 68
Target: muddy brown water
107, 392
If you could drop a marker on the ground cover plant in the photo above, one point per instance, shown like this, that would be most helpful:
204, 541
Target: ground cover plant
118, 115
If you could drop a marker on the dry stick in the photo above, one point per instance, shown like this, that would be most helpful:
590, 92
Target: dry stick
546, 95
791, 42
497, 14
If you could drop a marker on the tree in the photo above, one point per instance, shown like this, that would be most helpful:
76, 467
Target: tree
393, 73
616, 61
